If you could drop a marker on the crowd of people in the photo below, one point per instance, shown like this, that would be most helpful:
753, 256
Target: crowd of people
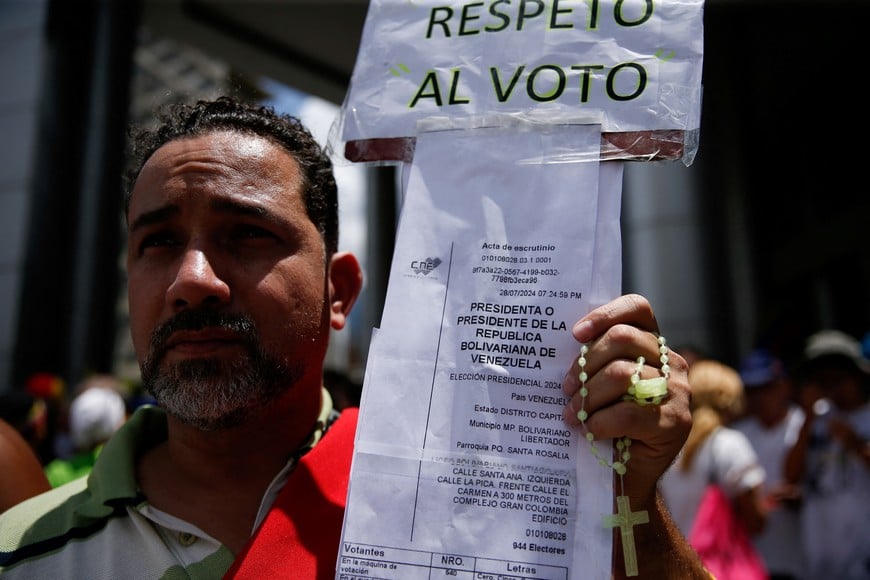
790, 446
236, 281
50, 436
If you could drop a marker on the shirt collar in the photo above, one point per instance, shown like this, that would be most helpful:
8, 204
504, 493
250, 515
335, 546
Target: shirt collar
112, 481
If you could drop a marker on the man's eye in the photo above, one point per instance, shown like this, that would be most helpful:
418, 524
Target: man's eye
157, 240
248, 232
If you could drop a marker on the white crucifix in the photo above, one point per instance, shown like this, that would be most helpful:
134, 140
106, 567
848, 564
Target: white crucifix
626, 519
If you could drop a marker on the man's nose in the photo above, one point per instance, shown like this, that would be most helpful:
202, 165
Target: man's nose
197, 282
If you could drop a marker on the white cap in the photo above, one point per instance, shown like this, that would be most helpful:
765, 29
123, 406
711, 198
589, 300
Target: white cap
827, 343
94, 415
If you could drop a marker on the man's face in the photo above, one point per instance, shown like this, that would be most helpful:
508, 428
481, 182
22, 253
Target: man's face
227, 278
839, 383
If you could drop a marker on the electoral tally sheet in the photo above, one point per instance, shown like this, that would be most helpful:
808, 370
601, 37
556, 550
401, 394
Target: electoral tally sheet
463, 466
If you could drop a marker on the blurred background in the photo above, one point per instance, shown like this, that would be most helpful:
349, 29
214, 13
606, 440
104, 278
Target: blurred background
761, 241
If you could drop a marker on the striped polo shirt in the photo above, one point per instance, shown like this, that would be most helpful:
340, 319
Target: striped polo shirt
102, 527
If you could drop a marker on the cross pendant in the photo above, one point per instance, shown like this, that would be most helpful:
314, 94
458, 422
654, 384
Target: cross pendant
626, 519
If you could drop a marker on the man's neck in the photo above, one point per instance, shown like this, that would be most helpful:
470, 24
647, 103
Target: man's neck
216, 479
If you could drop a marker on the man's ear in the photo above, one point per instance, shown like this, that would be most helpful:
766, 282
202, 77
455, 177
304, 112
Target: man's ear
345, 283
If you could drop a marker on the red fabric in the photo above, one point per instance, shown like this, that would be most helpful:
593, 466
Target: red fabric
300, 536
722, 541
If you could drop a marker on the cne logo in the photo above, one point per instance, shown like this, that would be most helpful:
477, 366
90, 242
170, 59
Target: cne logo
425, 266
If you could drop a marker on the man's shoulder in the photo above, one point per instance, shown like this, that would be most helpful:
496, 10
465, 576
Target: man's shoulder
77, 507
731, 449
47, 512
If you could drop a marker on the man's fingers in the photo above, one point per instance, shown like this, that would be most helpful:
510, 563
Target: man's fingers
630, 309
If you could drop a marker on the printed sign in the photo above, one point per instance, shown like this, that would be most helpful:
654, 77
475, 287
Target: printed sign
635, 64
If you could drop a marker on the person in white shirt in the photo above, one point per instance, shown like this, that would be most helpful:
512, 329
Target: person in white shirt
831, 459
772, 423
715, 452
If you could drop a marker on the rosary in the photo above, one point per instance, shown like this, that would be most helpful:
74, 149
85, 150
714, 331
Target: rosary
643, 392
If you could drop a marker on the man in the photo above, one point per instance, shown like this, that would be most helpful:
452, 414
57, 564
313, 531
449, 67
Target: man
772, 423
234, 283
831, 459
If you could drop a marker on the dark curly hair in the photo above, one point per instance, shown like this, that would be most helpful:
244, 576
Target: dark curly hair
181, 120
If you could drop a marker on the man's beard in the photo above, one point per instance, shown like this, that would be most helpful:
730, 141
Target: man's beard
214, 393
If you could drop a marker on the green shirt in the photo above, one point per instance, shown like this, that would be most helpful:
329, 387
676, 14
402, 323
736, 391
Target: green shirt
101, 526
61, 471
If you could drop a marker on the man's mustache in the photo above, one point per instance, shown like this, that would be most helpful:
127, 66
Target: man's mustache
239, 324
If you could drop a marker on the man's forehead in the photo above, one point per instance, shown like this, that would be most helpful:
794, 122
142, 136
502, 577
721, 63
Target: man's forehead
225, 145
186, 167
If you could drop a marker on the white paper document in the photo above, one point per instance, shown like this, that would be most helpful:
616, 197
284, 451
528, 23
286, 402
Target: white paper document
463, 466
